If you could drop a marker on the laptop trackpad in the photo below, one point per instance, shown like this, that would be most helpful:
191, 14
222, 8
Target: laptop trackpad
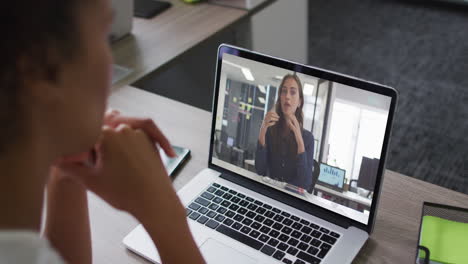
215, 252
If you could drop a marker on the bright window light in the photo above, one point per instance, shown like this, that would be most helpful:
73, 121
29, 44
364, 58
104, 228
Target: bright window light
308, 89
248, 74
262, 89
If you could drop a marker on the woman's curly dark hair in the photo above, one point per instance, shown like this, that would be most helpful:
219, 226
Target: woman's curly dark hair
37, 36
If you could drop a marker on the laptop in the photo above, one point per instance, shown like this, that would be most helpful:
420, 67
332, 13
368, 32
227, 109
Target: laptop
332, 177
239, 208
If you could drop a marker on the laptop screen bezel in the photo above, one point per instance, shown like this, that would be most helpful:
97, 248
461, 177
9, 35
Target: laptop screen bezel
323, 74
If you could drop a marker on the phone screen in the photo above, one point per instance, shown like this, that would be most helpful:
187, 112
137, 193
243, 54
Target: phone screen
171, 164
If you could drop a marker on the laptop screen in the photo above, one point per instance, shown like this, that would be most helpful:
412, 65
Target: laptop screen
331, 176
301, 134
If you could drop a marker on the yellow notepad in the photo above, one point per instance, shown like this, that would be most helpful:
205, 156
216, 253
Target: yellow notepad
446, 240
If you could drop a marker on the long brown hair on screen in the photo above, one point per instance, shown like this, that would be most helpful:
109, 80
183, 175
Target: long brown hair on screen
279, 130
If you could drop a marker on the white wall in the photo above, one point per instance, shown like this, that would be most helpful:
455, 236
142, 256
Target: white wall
280, 30
362, 97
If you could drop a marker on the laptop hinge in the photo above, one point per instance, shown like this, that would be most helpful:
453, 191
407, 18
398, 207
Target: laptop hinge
287, 199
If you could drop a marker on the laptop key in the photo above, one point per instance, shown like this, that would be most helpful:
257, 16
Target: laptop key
279, 255
251, 214
211, 214
247, 221
263, 238
277, 226
286, 230
299, 261
269, 214
268, 222
276, 210
219, 218
306, 230
308, 258
283, 237
203, 210
312, 250
286, 214
259, 218
328, 239
292, 251
224, 188
316, 234
335, 235
295, 218
235, 199
221, 210
211, 189
244, 203
227, 196
273, 242
212, 224
241, 195
305, 222
287, 222
242, 211
297, 226
249, 199
207, 196
225, 203
213, 206
267, 250
278, 218
238, 217
265, 229
219, 193
194, 206
302, 246
274, 233
232, 192
228, 222
314, 226
252, 207
258, 203
293, 242
246, 229
256, 226
230, 213
254, 234
236, 226
306, 238
282, 246
239, 237
260, 210
296, 234
217, 200
322, 253
316, 242
324, 230
287, 261
216, 185
194, 215
187, 212
267, 206
202, 219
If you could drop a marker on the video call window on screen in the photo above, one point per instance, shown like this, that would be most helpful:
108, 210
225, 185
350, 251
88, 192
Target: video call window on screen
310, 137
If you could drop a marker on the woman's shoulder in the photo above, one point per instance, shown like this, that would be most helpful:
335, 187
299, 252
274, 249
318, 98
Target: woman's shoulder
307, 135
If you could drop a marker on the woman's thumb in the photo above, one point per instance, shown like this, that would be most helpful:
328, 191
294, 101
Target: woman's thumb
79, 171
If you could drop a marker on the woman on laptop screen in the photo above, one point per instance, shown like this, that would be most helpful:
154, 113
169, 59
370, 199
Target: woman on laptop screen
285, 148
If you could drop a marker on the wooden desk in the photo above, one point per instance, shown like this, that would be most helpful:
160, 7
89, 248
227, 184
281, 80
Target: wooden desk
396, 231
154, 43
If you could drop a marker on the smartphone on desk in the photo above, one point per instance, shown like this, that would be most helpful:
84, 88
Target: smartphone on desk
172, 164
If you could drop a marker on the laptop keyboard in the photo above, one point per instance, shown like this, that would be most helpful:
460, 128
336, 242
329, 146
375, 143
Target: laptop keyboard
274, 232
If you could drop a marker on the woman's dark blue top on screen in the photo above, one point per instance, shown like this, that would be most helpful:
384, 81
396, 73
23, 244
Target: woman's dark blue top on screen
294, 169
